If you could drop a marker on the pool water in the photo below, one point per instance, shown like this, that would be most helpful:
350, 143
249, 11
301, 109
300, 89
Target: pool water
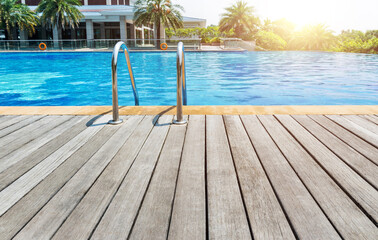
213, 78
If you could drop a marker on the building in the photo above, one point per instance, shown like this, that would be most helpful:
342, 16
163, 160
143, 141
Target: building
104, 19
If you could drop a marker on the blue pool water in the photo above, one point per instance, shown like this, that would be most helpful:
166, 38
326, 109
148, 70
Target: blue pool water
248, 78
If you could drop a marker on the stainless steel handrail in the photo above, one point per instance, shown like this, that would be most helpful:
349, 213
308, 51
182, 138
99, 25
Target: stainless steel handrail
181, 83
117, 47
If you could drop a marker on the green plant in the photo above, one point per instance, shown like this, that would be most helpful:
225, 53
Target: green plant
312, 37
215, 40
158, 12
239, 17
60, 13
13, 14
270, 41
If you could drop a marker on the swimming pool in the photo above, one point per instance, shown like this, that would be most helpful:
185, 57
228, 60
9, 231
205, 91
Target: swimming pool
213, 78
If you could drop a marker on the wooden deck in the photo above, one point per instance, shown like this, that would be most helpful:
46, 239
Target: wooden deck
218, 177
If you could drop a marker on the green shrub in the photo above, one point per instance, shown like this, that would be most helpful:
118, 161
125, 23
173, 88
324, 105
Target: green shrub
215, 40
270, 41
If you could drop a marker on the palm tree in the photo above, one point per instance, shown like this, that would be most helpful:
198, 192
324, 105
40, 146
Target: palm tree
158, 12
60, 13
239, 17
14, 14
267, 25
314, 37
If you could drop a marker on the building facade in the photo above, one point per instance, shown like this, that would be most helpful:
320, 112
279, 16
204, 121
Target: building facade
103, 19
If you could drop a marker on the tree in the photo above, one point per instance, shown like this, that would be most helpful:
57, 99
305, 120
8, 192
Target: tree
357, 41
313, 37
239, 17
158, 12
283, 28
60, 13
13, 14
267, 25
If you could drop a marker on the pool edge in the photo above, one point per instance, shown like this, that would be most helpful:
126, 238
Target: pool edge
191, 110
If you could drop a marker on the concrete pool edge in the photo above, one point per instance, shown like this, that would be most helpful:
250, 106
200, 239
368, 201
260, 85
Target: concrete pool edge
191, 110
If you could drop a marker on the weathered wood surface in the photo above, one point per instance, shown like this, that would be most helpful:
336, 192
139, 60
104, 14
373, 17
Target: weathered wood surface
356, 128
227, 219
219, 177
26, 162
340, 209
267, 218
119, 216
153, 217
52, 215
348, 137
367, 169
86, 215
306, 217
361, 191
371, 118
189, 208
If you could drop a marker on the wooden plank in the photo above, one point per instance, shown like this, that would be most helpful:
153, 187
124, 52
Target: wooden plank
25, 150
345, 215
367, 169
14, 192
44, 224
21, 213
226, 214
17, 139
13, 126
155, 213
9, 120
356, 187
189, 209
362, 122
371, 118
349, 138
27, 162
306, 217
119, 216
267, 219
84, 218
362, 132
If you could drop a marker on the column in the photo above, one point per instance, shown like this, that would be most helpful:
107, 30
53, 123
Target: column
85, 2
123, 28
90, 34
142, 35
102, 30
23, 38
108, 2
132, 31
133, 34
23, 1
56, 37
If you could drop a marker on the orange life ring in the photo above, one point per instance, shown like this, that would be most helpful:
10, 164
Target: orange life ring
42, 46
164, 46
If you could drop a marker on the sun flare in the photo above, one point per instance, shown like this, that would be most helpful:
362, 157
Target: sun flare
303, 12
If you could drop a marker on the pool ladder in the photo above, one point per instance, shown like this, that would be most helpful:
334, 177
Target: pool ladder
116, 120
181, 82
